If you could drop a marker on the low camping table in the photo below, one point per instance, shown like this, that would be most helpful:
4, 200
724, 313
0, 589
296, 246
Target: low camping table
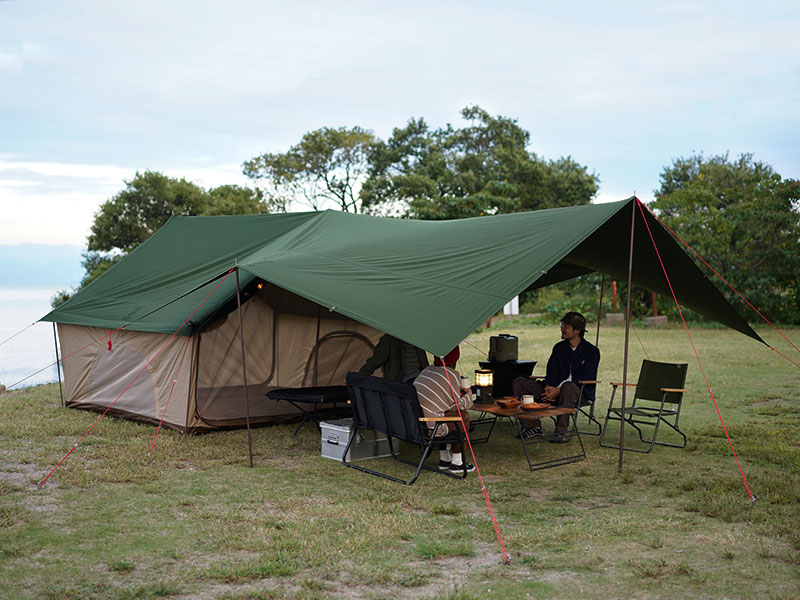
301, 398
515, 413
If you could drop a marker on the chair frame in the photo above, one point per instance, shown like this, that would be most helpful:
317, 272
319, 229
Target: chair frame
583, 402
637, 415
393, 408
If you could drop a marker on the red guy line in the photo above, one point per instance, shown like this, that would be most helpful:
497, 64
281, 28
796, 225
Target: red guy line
477, 469
88, 431
724, 280
63, 358
174, 383
708, 385
638, 338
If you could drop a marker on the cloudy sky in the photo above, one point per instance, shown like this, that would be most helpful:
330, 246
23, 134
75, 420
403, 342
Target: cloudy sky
92, 91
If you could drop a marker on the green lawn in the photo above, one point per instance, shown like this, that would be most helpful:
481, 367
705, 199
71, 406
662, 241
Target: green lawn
194, 521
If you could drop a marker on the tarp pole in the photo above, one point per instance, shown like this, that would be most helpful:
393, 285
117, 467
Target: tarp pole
600, 309
316, 347
627, 336
244, 367
58, 366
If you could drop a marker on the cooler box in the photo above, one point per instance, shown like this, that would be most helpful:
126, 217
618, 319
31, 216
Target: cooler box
368, 444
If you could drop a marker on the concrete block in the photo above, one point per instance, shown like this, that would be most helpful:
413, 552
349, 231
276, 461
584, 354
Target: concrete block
615, 318
660, 321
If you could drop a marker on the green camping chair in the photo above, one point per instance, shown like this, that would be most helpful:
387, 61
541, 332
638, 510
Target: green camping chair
657, 400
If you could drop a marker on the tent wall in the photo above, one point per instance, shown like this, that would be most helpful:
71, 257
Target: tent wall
289, 342
95, 377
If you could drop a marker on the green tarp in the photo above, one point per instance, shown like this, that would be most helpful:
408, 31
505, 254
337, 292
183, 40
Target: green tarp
430, 283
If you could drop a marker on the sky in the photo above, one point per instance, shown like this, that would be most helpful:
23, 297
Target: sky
93, 91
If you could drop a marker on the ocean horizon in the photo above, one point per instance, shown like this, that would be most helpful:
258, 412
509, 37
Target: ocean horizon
27, 347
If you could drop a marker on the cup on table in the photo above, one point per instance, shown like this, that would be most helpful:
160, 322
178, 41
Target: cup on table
465, 384
527, 399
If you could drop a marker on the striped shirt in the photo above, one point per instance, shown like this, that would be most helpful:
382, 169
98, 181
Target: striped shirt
435, 387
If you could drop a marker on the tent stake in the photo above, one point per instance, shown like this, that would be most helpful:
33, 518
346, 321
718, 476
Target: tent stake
600, 309
244, 367
627, 336
58, 366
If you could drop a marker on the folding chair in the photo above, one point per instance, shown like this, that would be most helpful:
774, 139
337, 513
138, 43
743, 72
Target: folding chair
586, 408
392, 408
585, 405
657, 400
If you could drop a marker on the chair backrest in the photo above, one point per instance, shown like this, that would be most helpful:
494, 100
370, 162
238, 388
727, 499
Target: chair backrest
390, 407
656, 375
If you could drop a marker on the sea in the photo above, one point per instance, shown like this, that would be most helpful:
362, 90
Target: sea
27, 347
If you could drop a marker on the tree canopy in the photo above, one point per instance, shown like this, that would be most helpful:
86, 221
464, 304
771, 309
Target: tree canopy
445, 173
151, 198
483, 168
744, 220
148, 200
325, 167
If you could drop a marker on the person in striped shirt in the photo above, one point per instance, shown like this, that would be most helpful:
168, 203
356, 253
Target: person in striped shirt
438, 388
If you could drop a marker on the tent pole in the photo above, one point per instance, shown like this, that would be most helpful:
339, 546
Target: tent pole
600, 309
58, 366
316, 347
627, 336
244, 367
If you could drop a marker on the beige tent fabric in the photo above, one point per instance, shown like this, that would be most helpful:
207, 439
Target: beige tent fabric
289, 342
122, 378
281, 336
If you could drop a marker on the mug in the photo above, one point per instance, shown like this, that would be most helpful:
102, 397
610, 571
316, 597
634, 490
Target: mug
465, 383
527, 399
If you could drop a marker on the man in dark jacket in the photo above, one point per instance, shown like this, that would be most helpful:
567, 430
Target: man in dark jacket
573, 360
400, 361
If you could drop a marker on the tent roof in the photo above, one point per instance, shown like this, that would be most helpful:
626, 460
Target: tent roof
430, 283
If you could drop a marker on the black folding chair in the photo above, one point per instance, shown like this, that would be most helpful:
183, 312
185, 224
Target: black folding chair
392, 408
586, 407
657, 400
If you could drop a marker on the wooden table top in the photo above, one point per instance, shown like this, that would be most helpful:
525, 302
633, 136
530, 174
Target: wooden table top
553, 411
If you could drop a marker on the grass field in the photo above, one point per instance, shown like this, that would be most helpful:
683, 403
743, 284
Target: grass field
194, 521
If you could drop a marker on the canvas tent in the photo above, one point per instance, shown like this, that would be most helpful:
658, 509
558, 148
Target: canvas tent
332, 283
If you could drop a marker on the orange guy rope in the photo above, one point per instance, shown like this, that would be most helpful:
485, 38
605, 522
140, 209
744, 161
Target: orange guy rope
726, 283
63, 358
88, 431
172, 389
708, 385
506, 559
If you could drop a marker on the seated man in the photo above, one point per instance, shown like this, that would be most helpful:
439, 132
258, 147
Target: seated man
400, 361
436, 389
573, 359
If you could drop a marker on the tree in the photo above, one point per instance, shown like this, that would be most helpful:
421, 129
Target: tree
327, 166
744, 220
234, 200
484, 168
147, 202
135, 213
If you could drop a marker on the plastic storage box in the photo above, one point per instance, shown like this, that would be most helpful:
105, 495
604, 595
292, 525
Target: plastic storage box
368, 444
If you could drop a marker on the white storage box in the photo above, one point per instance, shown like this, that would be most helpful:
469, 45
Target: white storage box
368, 444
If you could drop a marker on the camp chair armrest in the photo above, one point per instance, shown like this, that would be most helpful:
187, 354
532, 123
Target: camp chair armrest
616, 383
673, 390
439, 419
590, 382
